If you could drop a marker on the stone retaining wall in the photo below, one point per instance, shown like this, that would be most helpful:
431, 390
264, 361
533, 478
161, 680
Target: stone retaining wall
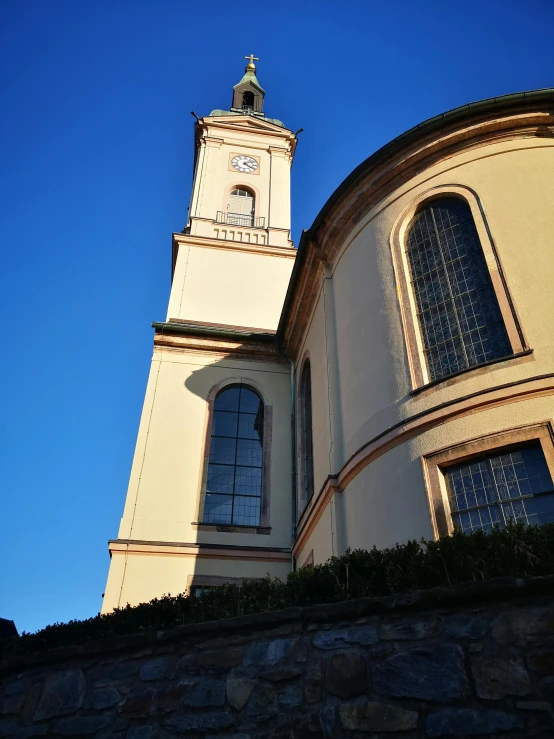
473, 660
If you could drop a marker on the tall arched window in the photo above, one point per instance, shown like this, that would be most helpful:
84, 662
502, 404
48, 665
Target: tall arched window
234, 482
306, 440
459, 315
241, 207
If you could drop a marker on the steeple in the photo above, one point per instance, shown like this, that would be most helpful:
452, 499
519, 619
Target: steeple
248, 94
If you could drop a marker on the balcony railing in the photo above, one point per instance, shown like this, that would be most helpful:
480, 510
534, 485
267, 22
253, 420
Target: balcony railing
238, 219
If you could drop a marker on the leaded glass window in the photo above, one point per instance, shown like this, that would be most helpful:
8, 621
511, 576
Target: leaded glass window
512, 485
458, 311
306, 440
234, 484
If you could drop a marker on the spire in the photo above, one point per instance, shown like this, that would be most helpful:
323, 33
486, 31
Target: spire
248, 94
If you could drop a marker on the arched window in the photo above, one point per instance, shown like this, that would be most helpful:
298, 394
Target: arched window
306, 441
241, 207
234, 482
460, 319
248, 100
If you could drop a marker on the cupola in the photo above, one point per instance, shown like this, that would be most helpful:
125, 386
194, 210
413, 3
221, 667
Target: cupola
248, 94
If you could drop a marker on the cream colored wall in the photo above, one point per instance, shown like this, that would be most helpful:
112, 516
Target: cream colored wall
514, 182
228, 286
320, 541
165, 480
145, 577
314, 348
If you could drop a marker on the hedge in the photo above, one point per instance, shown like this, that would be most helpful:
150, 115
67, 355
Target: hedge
517, 550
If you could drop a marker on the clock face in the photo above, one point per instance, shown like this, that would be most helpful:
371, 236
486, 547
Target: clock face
243, 163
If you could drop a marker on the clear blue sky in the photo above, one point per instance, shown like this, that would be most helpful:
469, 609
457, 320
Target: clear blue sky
97, 145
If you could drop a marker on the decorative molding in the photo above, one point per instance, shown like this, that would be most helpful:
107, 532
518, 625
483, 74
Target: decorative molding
196, 549
204, 242
406, 429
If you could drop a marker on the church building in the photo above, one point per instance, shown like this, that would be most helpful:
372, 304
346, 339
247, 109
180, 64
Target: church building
391, 378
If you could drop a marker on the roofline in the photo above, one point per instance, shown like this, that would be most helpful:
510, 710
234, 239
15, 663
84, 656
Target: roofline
464, 112
229, 332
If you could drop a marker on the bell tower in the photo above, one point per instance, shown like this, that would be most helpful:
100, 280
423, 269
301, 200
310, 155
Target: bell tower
240, 205
231, 268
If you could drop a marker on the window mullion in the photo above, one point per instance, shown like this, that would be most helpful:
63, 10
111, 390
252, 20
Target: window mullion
495, 488
454, 309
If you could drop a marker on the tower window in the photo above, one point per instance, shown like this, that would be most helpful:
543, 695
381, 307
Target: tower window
240, 209
306, 438
234, 482
460, 319
511, 485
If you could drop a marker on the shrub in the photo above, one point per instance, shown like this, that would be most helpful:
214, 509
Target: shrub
517, 550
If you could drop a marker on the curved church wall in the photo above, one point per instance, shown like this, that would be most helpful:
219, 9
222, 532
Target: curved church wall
385, 501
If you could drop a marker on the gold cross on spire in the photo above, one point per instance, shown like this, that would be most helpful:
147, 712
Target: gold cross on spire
252, 59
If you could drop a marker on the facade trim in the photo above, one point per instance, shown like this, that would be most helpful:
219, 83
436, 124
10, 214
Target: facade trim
199, 550
406, 429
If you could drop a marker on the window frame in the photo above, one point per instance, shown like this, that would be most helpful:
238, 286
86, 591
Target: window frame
436, 464
263, 526
419, 372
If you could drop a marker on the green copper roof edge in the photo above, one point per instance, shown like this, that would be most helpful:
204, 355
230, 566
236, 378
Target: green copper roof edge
191, 328
249, 79
545, 94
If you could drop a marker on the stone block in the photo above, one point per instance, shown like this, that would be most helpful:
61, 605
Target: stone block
140, 732
105, 698
313, 682
534, 705
63, 693
522, 626
496, 678
216, 721
238, 692
542, 660
224, 658
413, 629
138, 704
270, 652
263, 704
470, 722
28, 732
465, 627
284, 672
81, 725
12, 704
434, 673
339, 638
205, 694
17, 687
154, 669
290, 696
8, 727
372, 716
346, 675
